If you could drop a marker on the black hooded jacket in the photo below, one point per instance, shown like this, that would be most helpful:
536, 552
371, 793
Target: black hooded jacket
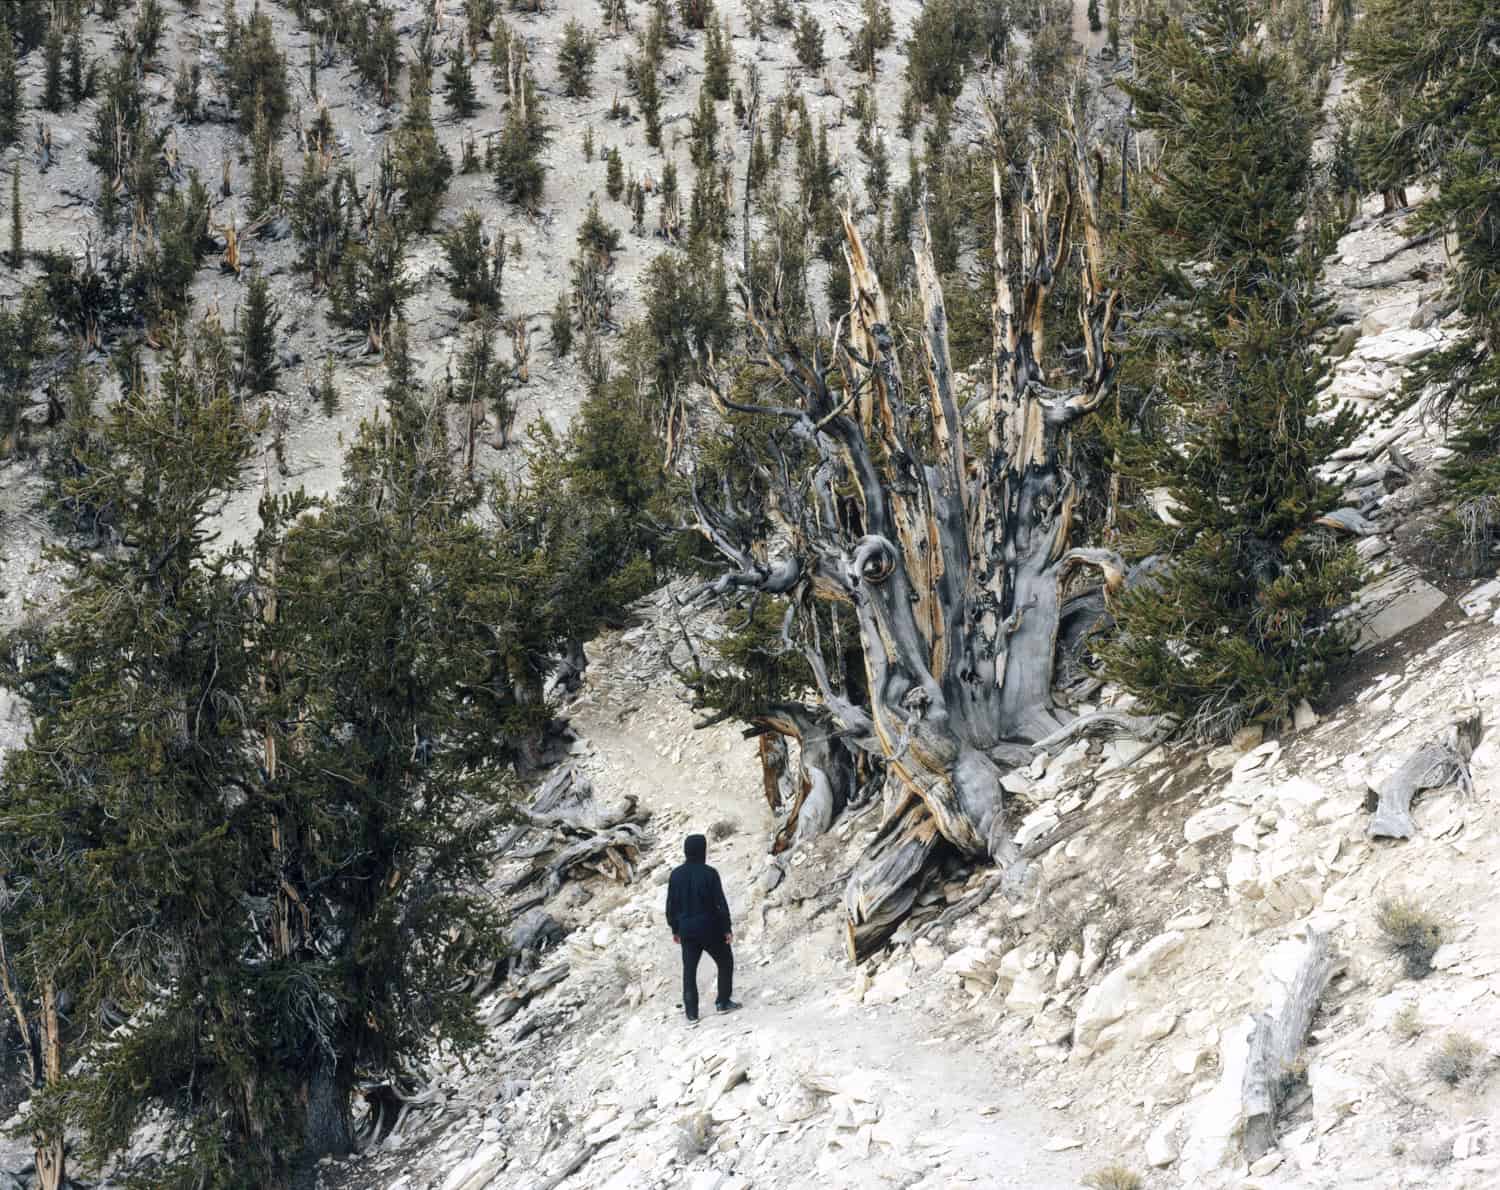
696, 908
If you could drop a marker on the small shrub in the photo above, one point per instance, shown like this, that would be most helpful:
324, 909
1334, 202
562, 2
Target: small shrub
1456, 1060
1411, 933
1113, 1177
723, 829
1407, 1024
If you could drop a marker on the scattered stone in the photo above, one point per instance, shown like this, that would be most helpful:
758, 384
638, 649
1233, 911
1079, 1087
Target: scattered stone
1215, 820
1267, 1164
1161, 1146
1062, 1142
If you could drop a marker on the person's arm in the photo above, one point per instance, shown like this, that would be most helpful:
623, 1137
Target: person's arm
673, 909
721, 907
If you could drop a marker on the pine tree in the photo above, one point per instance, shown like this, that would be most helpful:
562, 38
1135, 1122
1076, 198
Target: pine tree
1239, 623
12, 102
259, 366
185, 90
648, 93
514, 161
483, 381
267, 175
808, 43
17, 248
370, 291
1427, 110
52, 76
561, 327
597, 237
877, 33
317, 732
474, 272
716, 60
80, 75
420, 164
614, 183
575, 60
459, 92
147, 715
257, 73
24, 342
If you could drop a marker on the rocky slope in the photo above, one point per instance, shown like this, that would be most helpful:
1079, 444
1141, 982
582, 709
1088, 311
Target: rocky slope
1102, 1019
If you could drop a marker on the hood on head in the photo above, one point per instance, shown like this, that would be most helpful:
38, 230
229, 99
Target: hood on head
696, 848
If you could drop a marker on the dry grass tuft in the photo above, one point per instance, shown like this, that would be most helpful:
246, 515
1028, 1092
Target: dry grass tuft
1407, 1023
1410, 932
1113, 1177
1456, 1060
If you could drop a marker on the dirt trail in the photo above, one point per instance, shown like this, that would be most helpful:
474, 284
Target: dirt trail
939, 1099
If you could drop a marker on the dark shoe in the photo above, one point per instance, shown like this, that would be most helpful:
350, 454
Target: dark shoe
692, 1020
728, 1006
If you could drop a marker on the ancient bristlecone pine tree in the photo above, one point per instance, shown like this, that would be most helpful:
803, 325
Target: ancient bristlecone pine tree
953, 554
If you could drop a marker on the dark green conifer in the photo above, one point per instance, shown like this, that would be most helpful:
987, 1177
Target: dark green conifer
575, 60
1238, 622
808, 42
267, 174
514, 161
648, 92
52, 70
370, 291
614, 182
421, 165
17, 247
12, 102
561, 327
258, 364
459, 92
475, 272
716, 58
256, 78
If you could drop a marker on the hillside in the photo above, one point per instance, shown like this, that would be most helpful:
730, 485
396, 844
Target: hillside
1037, 519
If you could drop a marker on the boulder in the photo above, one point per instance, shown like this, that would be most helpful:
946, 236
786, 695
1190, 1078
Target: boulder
1103, 1004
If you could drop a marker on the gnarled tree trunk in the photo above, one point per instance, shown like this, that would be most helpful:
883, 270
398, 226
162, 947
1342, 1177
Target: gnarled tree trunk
952, 555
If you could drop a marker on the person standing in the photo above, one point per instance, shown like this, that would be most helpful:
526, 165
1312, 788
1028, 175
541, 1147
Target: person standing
698, 916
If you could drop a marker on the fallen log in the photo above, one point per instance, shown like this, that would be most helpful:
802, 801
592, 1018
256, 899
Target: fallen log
1443, 760
1276, 1043
614, 853
520, 996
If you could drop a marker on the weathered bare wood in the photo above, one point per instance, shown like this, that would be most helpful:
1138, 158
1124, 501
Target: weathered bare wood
952, 565
1106, 724
1276, 1042
525, 992
1441, 761
889, 875
575, 1161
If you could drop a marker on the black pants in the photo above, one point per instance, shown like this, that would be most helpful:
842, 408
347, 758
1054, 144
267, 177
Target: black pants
723, 957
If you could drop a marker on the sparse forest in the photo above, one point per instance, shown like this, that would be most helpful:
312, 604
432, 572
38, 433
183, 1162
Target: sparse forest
978, 386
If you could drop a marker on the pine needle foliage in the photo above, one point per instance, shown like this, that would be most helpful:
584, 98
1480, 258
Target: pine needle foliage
475, 270
575, 60
256, 78
420, 164
12, 99
259, 366
1237, 621
1425, 78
